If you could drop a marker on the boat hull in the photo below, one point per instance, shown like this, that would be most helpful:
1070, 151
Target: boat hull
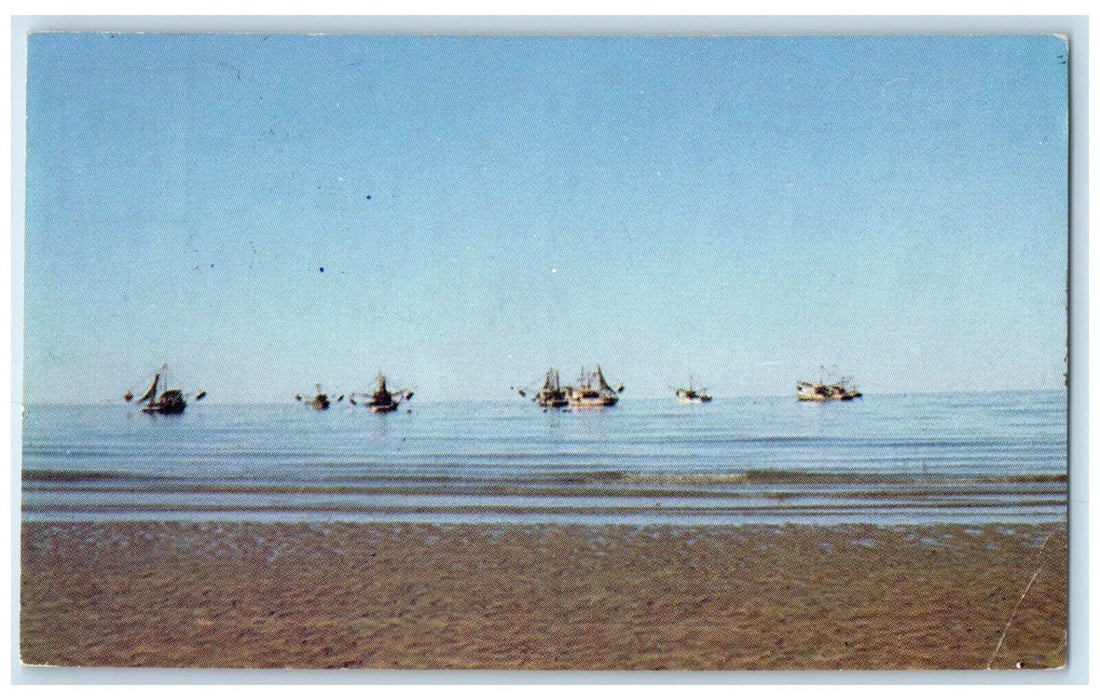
594, 403
826, 392
837, 397
691, 396
552, 403
166, 410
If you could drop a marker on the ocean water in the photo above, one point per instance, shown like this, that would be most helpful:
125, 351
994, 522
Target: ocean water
919, 458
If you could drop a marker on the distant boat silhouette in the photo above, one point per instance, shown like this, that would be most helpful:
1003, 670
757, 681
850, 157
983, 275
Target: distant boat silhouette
158, 399
382, 400
823, 391
690, 395
319, 402
592, 391
551, 394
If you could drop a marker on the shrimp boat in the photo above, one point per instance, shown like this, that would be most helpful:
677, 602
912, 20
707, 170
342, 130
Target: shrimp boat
551, 395
157, 399
382, 400
320, 400
690, 395
821, 390
592, 391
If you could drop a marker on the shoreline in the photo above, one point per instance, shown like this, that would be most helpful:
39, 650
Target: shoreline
543, 596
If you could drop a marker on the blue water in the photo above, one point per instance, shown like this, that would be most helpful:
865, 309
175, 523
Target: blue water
921, 458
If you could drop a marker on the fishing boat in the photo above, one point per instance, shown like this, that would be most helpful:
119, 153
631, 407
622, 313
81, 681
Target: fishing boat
382, 400
690, 395
551, 395
840, 390
592, 391
320, 400
158, 399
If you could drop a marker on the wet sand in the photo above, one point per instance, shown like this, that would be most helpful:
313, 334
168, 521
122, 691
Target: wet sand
230, 595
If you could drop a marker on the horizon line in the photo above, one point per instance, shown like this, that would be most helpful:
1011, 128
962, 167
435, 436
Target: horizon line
641, 397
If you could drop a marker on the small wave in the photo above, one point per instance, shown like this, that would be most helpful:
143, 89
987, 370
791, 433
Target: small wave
71, 475
788, 476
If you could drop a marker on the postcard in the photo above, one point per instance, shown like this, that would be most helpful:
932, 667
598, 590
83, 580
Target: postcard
528, 351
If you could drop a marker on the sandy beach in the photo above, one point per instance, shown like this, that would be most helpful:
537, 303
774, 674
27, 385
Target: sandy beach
233, 595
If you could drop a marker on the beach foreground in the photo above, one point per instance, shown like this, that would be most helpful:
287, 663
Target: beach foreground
248, 595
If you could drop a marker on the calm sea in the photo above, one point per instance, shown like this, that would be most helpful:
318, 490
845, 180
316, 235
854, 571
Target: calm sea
894, 459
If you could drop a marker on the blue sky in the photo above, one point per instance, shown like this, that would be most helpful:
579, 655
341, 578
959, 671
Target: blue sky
267, 212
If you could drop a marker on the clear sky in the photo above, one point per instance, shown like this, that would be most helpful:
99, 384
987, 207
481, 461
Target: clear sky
268, 212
